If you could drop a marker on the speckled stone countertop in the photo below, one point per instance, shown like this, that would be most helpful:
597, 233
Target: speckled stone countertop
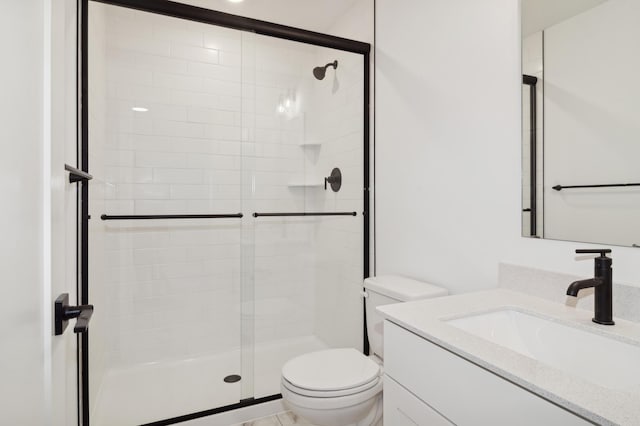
427, 318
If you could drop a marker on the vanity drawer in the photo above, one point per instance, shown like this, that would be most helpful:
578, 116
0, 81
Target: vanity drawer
402, 408
463, 392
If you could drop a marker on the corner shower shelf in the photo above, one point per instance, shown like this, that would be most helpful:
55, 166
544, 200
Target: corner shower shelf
305, 184
310, 145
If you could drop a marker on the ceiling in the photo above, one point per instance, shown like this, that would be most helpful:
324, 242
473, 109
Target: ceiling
540, 14
314, 15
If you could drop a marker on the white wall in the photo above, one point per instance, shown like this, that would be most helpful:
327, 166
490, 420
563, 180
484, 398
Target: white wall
22, 320
541, 14
38, 115
591, 124
448, 147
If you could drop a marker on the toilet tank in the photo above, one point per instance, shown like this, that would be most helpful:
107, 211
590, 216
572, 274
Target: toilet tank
388, 289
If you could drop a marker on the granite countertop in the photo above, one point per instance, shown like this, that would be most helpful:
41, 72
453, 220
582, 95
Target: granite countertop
596, 403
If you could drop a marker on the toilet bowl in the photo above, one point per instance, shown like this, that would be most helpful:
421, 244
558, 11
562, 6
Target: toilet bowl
343, 387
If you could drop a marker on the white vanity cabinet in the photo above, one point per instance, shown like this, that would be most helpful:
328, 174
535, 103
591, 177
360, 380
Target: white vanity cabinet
402, 408
428, 385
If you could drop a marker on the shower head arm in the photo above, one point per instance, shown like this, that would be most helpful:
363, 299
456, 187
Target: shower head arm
333, 64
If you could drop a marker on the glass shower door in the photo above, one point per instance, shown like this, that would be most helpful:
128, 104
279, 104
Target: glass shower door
166, 227
226, 230
307, 234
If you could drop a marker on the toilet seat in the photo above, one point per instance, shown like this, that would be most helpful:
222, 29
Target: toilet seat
329, 394
331, 372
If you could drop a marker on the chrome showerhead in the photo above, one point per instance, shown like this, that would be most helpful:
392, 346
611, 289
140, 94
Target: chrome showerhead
320, 72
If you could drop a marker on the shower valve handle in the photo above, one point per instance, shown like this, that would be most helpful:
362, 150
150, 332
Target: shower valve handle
327, 179
335, 180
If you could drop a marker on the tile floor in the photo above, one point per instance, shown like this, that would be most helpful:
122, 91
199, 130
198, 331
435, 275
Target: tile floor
281, 419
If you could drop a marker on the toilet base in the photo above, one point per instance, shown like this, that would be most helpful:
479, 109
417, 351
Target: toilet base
366, 413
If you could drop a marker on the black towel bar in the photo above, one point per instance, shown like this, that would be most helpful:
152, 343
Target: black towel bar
608, 185
305, 214
170, 216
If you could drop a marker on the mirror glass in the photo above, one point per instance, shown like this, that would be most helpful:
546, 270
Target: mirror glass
581, 120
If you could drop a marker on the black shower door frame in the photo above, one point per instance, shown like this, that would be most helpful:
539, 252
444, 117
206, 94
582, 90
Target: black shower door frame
207, 16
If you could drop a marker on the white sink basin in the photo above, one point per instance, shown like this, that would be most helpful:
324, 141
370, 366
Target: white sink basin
601, 360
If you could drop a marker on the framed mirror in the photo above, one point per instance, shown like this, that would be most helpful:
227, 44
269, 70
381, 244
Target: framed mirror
581, 120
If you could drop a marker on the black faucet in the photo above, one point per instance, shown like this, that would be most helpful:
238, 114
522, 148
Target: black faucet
602, 284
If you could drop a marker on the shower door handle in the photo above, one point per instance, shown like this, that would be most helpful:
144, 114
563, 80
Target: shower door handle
63, 313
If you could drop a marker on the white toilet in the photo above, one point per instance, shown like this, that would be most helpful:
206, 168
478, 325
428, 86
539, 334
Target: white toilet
343, 387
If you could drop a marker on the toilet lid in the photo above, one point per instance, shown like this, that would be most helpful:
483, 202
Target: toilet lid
330, 370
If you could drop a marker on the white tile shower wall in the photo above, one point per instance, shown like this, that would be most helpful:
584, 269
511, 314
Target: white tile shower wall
210, 142
274, 83
338, 124
335, 123
169, 285
339, 304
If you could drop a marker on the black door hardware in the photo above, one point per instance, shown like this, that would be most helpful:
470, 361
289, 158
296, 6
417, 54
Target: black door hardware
63, 313
76, 175
606, 185
602, 283
170, 216
335, 180
532, 82
305, 214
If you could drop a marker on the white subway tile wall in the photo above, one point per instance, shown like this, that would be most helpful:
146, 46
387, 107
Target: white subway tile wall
336, 123
172, 288
213, 140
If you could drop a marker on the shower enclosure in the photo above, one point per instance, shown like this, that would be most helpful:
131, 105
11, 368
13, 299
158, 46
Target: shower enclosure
216, 241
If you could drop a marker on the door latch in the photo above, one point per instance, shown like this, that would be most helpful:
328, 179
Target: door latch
63, 313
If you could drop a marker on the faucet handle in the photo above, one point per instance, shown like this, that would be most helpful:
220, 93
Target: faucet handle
601, 252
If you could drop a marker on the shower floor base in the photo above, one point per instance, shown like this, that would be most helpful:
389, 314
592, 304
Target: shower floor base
157, 391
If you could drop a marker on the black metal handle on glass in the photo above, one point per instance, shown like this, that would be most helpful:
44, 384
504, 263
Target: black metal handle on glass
256, 214
63, 313
532, 82
602, 282
170, 216
606, 185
